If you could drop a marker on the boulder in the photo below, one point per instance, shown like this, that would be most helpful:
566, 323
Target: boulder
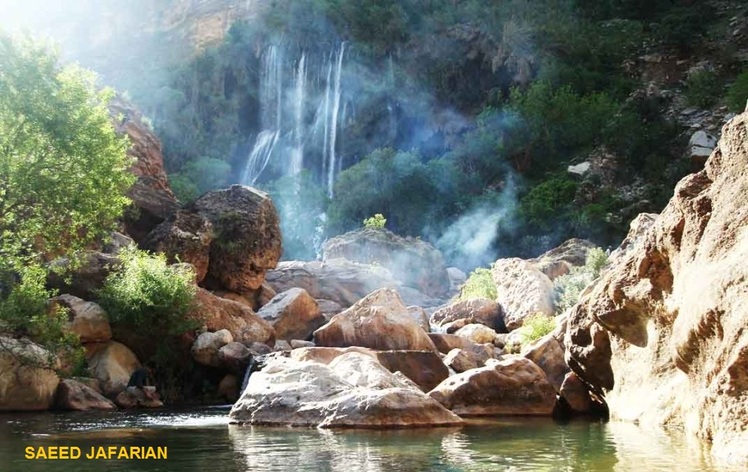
293, 314
247, 239
354, 390
446, 342
234, 357
575, 393
86, 275
282, 345
133, 397
515, 386
117, 242
228, 388
151, 194
207, 345
23, 386
325, 355
477, 333
701, 146
72, 395
461, 360
112, 364
378, 321
184, 237
579, 169
456, 278
424, 368
475, 310
560, 260
548, 354
419, 315
328, 308
412, 261
298, 343
523, 290
243, 323
662, 334
87, 319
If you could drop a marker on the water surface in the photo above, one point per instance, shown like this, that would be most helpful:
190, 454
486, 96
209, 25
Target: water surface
202, 440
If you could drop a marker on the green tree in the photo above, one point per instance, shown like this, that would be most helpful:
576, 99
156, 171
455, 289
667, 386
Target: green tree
63, 169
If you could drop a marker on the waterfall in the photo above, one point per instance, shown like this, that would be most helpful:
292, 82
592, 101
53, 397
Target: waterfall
333, 164
313, 82
297, 152
271, 106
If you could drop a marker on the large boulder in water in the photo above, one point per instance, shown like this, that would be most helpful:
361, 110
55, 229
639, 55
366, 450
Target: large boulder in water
514, 386
523, 290
112, 364
247, 237
184, 237
378, 321
414, 262
662, 335
354, 390
72, 395
24, 384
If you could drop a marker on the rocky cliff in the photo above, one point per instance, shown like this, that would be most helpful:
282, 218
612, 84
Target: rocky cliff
662, 335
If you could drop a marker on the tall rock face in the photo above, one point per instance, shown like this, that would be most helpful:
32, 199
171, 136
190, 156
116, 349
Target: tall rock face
663, 334
151, 195
414, 262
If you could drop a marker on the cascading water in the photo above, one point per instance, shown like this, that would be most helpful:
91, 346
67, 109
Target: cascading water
297, 152
271, 106
333, 165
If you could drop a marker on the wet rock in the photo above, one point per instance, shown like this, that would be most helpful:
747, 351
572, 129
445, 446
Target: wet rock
354, 390
72, 395
575, 393
378, 321
24, 387
515, 386
293, 314
133, 397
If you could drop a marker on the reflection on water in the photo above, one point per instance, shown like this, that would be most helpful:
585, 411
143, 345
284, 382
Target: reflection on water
203, 440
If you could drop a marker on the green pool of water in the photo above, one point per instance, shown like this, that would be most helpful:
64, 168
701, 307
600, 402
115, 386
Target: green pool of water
202, 440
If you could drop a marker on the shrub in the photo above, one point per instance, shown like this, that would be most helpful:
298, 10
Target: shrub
570, 286
737, 94
703, 89
25, 311
147, 293
375, 222
479, 285
535, 327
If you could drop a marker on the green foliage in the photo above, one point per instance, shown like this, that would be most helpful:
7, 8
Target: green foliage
479, 285
545, 201
375, 222
148, 294
569, 287
63, 170
535, 327
25, 311
737, 94
703, 89
199, 176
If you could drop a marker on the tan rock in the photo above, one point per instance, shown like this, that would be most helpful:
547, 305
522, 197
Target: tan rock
243, 323
514, 386
446, 342
354, 390
234, 357
87, 319
476, 310
293, 314
424, 368
419, 316
228, 388
24, 387
575, 393
133, 397
559, 261
72, 395
112, 365
662, 334
461, 360
477, 333
548, 354
523, 290
207, 346
378, 321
